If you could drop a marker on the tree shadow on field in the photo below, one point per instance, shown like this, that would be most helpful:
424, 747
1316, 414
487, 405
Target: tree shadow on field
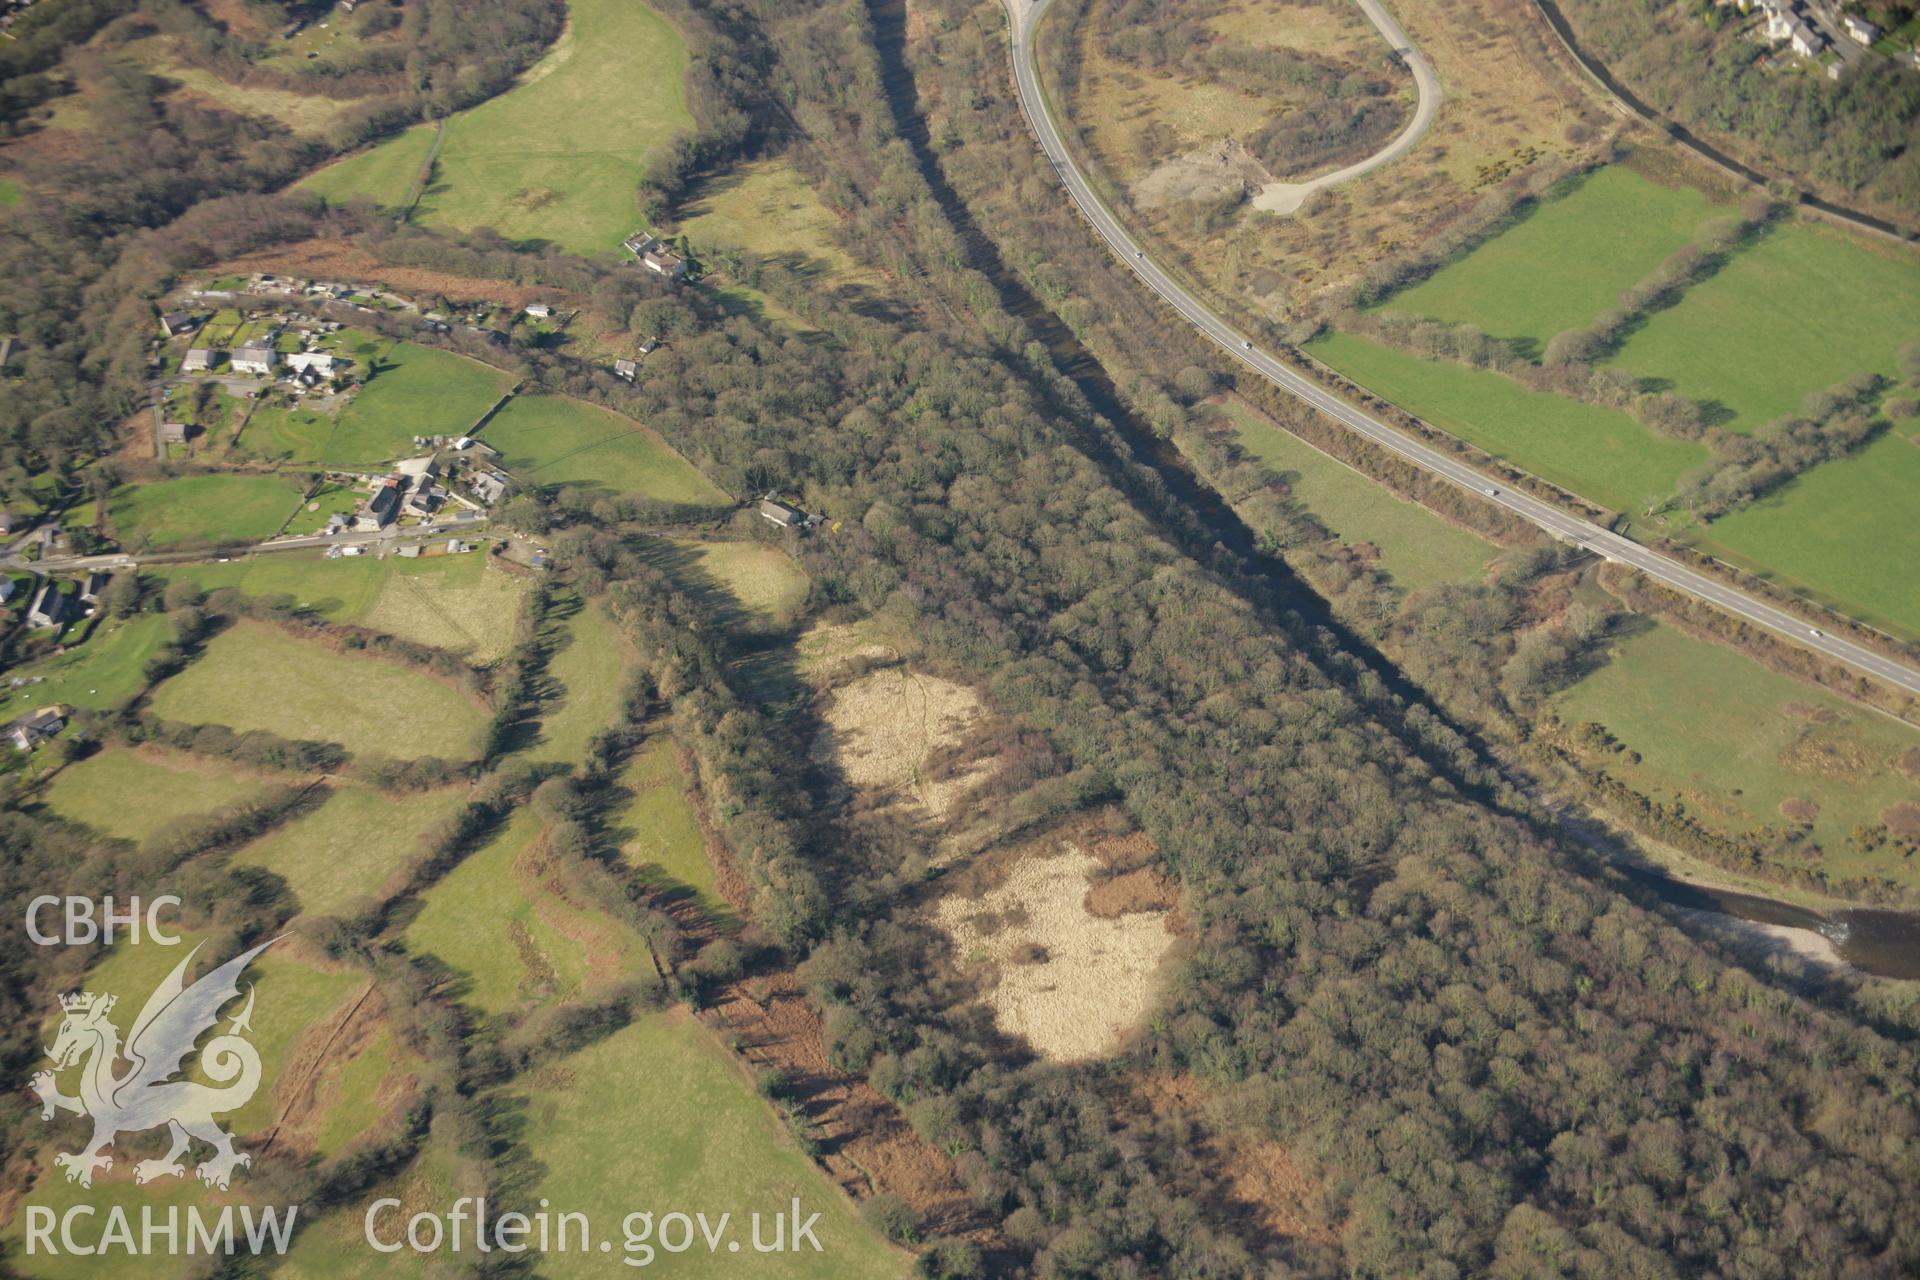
544, 694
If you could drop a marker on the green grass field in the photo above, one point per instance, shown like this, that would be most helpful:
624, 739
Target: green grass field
382, 173
1755, 740
292, 998
464, 604
168, 787
411, 391
659, 834
478, 920
558, 157
334, 1246
587, 672
282, 433
103, 672
1802, 309
1567, 262
758, 580
1848, 531
1600, 454
555, 440
1416, 547
254, 676
685, 1132
211, 508
338, 856
10, 193
765, 207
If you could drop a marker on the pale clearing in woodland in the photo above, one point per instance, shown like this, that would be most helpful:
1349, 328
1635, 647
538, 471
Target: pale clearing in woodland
1071, 984
881, 729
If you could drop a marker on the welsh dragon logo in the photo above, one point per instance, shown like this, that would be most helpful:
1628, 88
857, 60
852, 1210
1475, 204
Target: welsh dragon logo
145, 1096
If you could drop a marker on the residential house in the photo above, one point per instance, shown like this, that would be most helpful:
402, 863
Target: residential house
1780, 18
539, 310
320, 362
655, 256
199, 360
175, 323
650, 346
489, 485
7, 588
425, 499
780, 513
1805, 41
335, 523
255, 361
30, 730
626, 369
7, 522
1859, 30
10, 349
91, 586
382, 509
49, 607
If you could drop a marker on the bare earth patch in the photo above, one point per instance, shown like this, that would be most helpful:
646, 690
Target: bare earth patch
882, 727
1902, 820
1908, 762
1225, 168
340, 260
1069, 983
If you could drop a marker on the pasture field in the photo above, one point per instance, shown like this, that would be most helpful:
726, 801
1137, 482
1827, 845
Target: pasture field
478, 920
202, 509
1600, 454
1801, 309
587, 671
758, 580
658, 832
293, 997
1847, 530
1566, 262
557, 158
168, 785
356, 1082
411, 391
327, 499
285, 433
382, 172
464, 604
254, 676
337, 590
1416, 546
102, 673
334, 1247
687, 1130
765, 207
338, 856
556, 440
1761, 739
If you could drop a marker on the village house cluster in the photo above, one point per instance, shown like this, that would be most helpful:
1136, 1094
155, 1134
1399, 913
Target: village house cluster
1812, 32
655, 256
